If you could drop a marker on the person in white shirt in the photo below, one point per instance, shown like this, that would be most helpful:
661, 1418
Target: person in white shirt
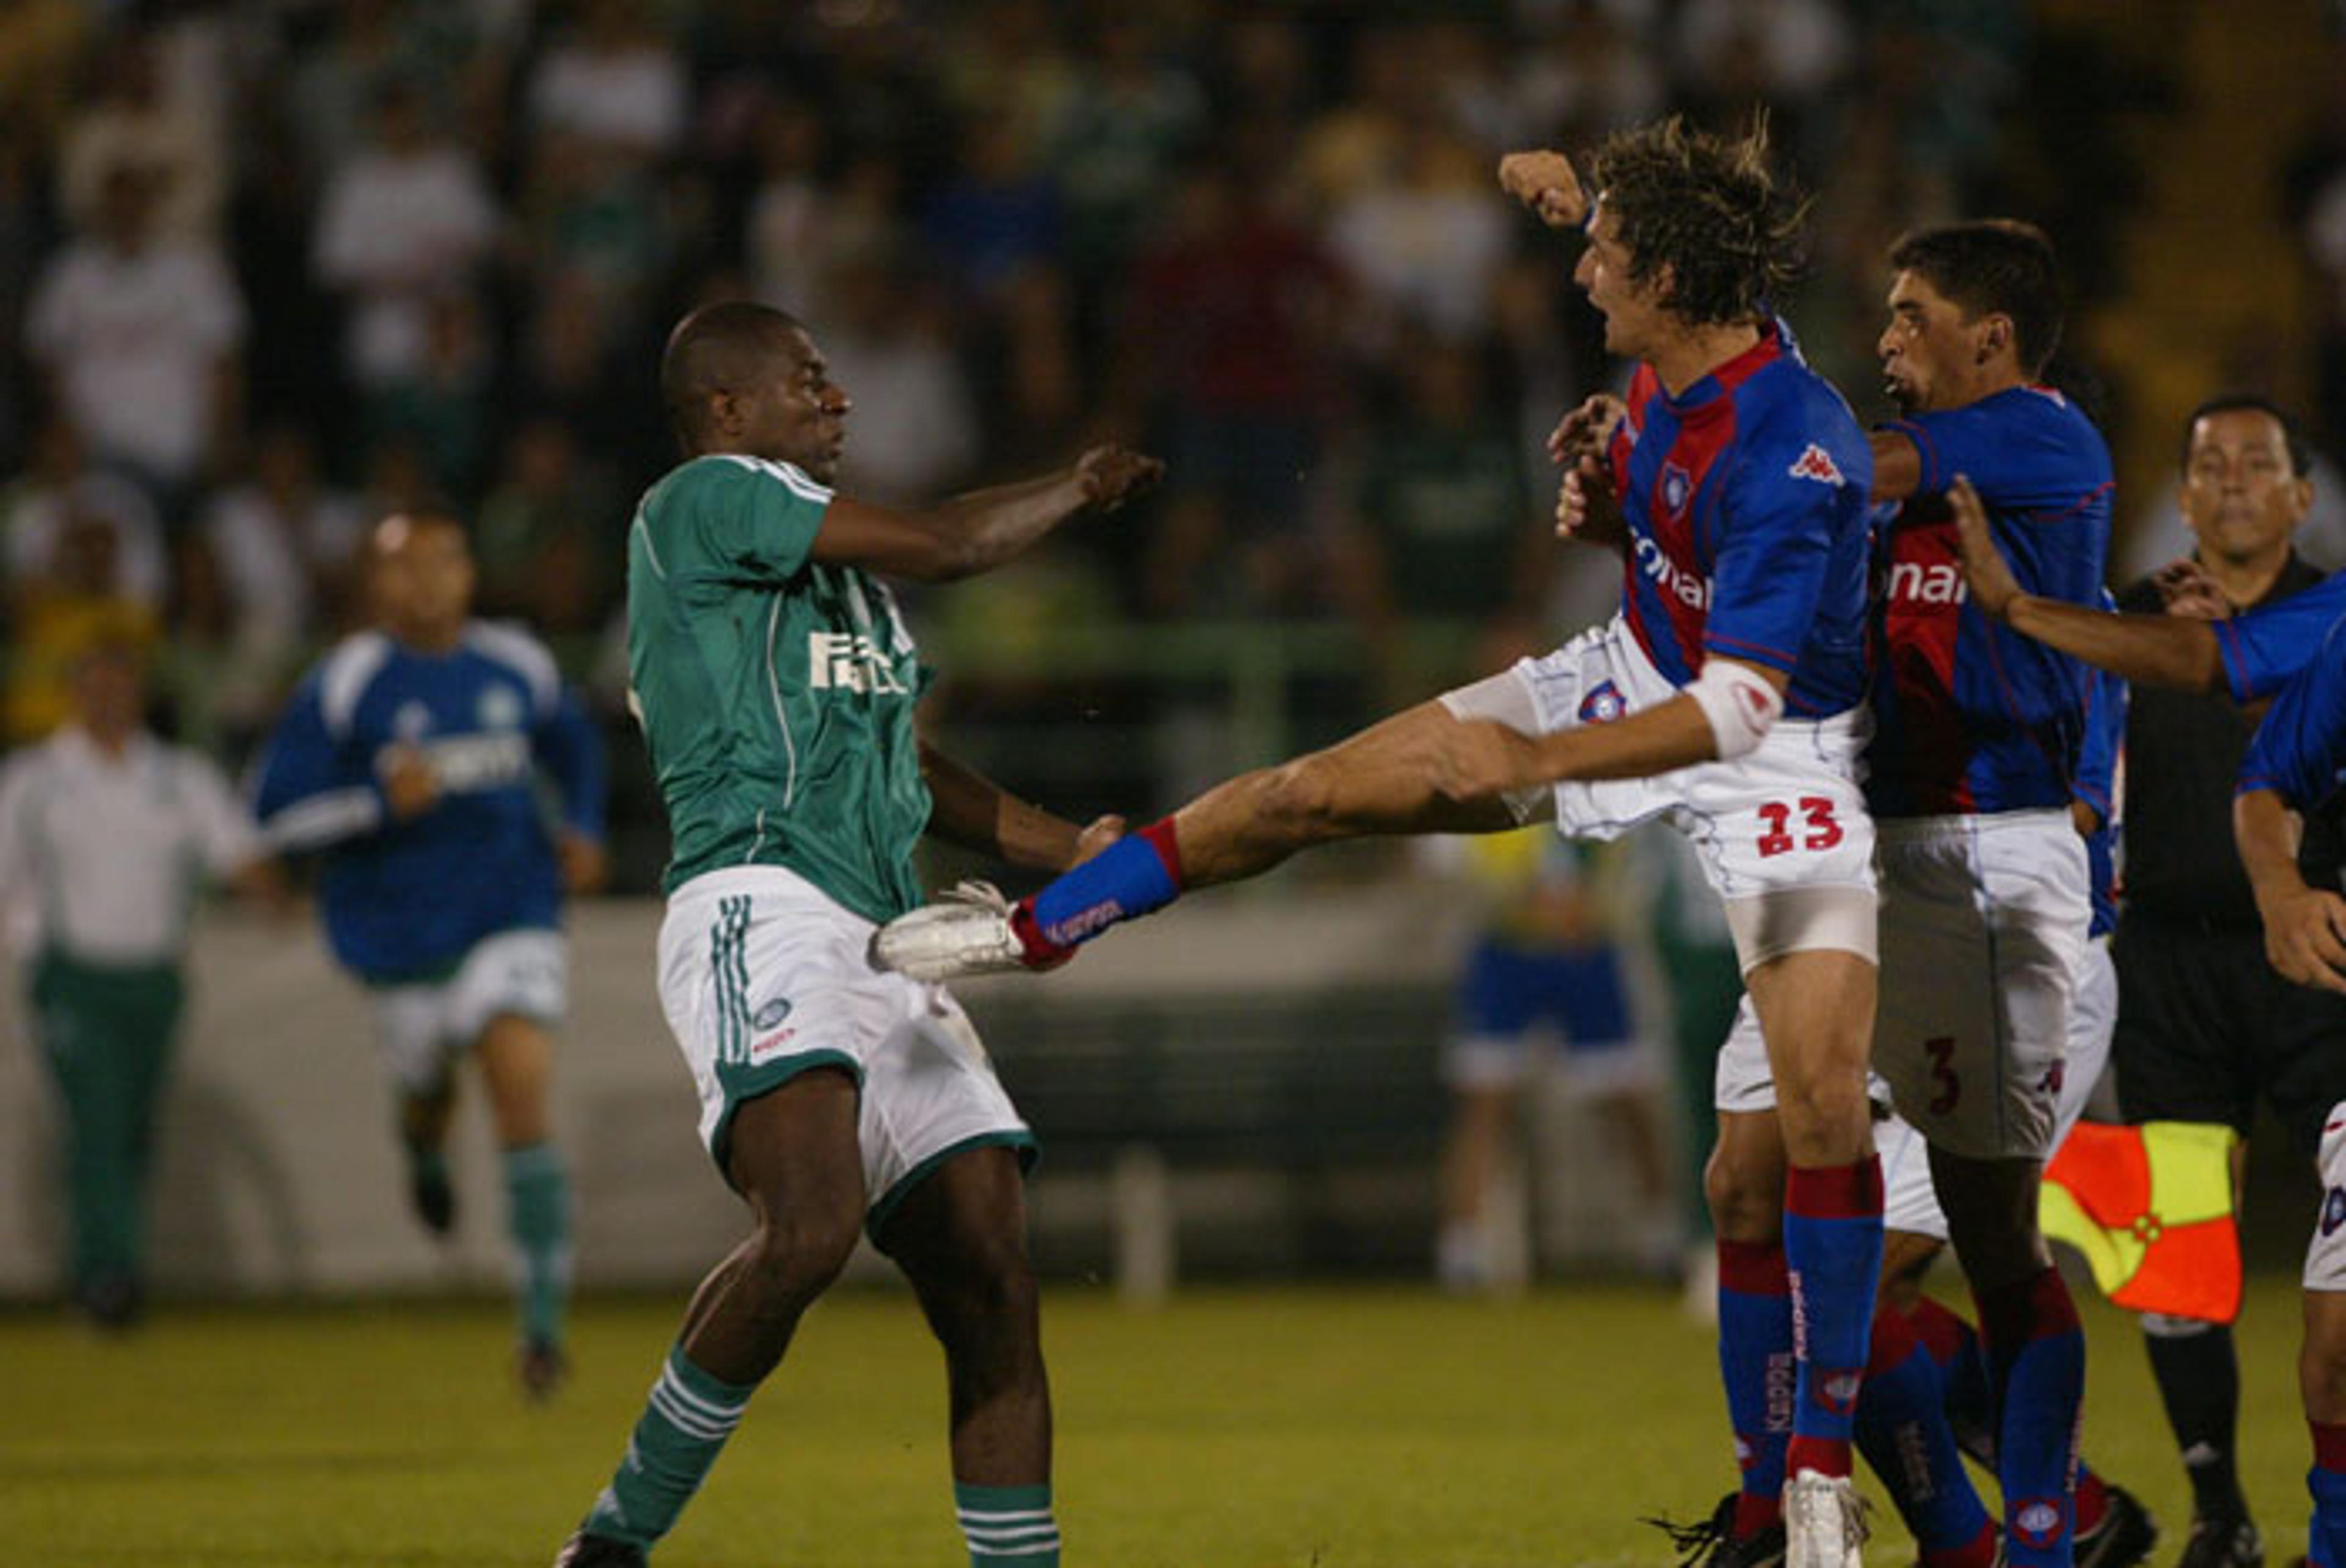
140, 337
107, 835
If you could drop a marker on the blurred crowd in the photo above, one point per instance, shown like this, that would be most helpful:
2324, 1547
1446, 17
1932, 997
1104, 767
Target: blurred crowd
267, 268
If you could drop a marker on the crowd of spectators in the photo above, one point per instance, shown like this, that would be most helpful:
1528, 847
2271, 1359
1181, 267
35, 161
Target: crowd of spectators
268, 267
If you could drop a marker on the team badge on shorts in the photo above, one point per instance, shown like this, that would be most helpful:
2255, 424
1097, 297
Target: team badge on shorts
1603, 705
771, 1013
2333, 1210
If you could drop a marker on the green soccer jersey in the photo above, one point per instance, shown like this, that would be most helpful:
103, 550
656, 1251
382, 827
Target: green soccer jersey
776, 692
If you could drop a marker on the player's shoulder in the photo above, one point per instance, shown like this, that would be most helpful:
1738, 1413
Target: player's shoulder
1794, 424
511, 647
342, 679
723, 476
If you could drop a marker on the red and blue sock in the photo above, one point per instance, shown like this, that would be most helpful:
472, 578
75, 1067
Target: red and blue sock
1755, 1362
1132, 877
1902, 1431
1832, 1251
2036, 1359
2326, 1537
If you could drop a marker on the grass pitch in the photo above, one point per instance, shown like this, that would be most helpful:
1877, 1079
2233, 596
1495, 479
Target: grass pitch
1257, 1429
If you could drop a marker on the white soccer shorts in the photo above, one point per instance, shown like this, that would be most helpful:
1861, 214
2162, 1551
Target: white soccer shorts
763, 977
1909, 1202
1773, 831
2325, 1255
421, 1029
1984, 925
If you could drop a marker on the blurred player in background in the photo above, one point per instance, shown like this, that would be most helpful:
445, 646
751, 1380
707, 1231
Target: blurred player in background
1726, 697
776, 684
410, 761
107, 837
1544, 970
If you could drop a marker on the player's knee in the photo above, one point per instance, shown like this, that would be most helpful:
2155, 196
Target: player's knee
798, 1253
1823, 1112
1744, 1205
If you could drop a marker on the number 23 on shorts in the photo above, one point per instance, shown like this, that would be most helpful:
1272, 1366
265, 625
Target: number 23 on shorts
1816, 827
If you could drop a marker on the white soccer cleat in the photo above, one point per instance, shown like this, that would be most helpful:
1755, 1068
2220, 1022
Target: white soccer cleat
966, 931
1824, 1522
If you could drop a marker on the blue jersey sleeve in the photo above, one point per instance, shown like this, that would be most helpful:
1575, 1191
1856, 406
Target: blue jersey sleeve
2027, 452
755, 519
2264, 649
1789, 509
570, 749
2300, 750
314, 791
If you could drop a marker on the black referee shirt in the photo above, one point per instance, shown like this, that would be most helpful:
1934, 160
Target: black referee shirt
2183, 752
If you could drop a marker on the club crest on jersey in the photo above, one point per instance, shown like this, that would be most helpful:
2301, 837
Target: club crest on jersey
412, 722
499, 708
1603, 705
1816, 463
1677, 488
2333, 1210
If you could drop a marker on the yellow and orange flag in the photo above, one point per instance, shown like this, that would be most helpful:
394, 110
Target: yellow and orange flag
2151, 1206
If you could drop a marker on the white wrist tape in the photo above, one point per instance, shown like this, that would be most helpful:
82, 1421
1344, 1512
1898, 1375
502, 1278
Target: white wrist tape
1740, 703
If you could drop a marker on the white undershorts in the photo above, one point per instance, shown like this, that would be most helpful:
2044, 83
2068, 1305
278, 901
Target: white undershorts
762, 977
421, 1029
1783, 833
2325, 1255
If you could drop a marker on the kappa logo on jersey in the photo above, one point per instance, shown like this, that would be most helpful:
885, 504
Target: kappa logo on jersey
2037, 1520
1677, 486
837, 661
1603, 705
1816, 463
1674, 580
2333, 1210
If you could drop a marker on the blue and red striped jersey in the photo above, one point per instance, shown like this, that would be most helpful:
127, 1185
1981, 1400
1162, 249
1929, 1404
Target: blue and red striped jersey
2097, 785
2299, 750
1969, 716
1745, 501
2264, 649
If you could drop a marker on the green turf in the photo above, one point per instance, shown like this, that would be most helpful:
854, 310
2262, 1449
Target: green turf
1272, 1429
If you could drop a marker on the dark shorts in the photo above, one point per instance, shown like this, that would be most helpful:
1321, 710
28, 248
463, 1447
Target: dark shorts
2205, 1026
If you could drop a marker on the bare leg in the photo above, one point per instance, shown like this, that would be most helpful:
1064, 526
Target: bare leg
960, 1238
1381, 781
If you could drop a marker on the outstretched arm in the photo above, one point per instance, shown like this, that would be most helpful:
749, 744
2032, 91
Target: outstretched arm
2156, 650
974, 811
980, 531
2305, 927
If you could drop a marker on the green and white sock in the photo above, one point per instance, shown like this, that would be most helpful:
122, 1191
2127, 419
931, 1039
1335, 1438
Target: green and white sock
684, 1425
538, 1214
1008, 1526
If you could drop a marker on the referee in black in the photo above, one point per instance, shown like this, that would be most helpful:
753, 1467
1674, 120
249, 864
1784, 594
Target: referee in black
2203, 1025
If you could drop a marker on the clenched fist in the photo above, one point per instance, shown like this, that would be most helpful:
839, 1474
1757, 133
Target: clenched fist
1112, 476
1543, 181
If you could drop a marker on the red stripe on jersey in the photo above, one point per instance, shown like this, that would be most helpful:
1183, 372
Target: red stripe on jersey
1921, 619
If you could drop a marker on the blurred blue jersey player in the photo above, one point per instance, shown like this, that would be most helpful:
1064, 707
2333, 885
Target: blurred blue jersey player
410, 761
1725, 697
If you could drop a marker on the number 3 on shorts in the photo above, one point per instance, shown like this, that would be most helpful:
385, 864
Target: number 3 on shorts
1817, 813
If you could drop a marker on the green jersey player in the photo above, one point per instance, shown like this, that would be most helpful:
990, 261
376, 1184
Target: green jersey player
776, 682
